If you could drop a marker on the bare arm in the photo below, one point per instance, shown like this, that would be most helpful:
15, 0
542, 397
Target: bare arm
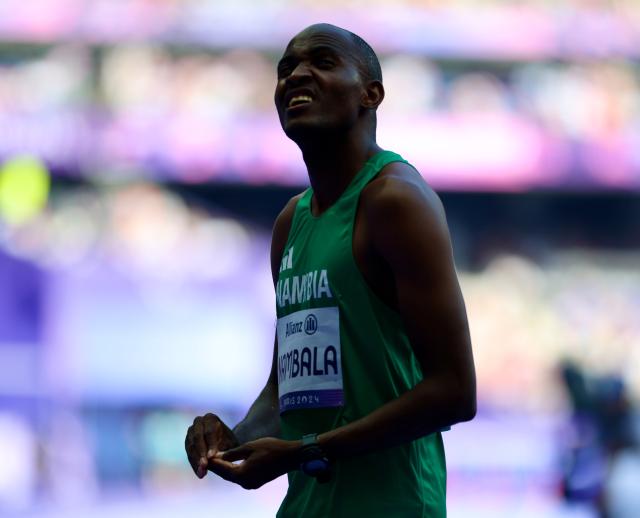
410, 233
263, 418
209, 434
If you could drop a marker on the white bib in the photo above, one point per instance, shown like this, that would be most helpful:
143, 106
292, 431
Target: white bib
309, 364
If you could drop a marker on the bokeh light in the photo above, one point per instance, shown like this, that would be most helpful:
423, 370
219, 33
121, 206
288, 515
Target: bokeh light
24, 189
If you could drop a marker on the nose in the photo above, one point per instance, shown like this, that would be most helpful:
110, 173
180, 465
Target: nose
300, 72
300, 75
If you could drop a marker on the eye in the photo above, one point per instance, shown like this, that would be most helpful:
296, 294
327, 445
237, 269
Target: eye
325, 62
285, 68
283, 71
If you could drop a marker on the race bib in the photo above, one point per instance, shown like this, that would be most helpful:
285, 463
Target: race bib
309, 363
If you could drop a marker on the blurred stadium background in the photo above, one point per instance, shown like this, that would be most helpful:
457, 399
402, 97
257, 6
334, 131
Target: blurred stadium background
141, 168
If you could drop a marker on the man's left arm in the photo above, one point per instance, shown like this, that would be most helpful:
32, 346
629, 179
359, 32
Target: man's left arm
409, 231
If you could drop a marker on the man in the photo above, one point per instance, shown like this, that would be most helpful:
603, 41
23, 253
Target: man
372, 357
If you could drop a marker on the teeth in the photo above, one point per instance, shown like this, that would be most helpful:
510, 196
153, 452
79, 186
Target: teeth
298, 99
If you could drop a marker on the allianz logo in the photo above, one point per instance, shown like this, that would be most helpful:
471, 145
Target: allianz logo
309, 325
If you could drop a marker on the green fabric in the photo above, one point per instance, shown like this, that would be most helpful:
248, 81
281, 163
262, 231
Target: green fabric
378, 365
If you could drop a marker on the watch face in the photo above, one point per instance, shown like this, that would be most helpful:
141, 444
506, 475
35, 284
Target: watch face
314, 462
315, 467
320, 469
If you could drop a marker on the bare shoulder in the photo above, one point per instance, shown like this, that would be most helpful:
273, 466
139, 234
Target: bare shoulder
284, 219
399, 193
280, 232
407, 225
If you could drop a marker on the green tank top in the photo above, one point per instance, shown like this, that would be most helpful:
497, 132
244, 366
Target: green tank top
342, 353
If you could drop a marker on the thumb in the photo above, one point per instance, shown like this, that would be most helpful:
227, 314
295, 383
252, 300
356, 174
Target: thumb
239, 453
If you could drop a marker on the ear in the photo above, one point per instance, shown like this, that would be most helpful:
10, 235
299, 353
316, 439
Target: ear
372, 95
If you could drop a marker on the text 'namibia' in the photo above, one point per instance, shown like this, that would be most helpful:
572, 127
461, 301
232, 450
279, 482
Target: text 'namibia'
302, 288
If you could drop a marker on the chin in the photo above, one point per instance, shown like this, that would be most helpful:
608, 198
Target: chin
300, 130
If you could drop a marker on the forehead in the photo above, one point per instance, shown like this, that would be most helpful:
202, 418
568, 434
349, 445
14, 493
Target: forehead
314, 38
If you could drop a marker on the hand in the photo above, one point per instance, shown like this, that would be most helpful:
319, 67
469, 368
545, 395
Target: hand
262, 461
205, 437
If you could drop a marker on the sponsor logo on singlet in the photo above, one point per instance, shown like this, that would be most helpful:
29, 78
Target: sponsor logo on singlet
308, 326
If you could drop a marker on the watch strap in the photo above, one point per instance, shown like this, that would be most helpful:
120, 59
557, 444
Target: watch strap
310, 439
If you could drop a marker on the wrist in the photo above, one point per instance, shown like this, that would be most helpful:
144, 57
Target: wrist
294, 456
313, 459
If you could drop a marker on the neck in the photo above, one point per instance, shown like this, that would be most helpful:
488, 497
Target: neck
332, 162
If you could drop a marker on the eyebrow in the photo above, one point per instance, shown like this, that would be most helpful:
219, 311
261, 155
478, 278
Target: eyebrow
318, 49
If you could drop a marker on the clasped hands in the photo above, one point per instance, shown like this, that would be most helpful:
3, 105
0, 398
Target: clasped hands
212, 446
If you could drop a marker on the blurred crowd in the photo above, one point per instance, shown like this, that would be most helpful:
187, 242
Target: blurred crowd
193, 115
526, 318
540, 93
590, 99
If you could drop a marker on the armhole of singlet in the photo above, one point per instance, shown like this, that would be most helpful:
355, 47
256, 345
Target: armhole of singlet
297, 214
372, 293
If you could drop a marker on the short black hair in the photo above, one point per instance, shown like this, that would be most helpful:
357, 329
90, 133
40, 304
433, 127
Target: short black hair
369, 60
365, 55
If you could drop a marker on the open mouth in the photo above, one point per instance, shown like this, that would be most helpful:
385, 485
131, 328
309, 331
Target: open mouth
299, 100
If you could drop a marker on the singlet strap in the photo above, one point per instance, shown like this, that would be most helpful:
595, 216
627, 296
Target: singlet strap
370, 170
349, 197
373, 166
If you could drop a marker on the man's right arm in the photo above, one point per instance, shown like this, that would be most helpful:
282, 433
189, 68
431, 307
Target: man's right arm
263, 419
209, 434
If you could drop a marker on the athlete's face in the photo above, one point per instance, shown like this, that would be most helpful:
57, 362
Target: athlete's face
319, 83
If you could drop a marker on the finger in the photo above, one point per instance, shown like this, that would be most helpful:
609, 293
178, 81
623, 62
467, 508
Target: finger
239, 453
198, 449
198, 464
202, 467
211, 424
226, 470
224, 466
192, 454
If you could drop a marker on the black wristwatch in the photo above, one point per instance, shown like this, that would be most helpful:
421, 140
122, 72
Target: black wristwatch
313, 461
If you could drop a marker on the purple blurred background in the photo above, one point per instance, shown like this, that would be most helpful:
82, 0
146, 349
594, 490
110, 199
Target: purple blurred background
142, 165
